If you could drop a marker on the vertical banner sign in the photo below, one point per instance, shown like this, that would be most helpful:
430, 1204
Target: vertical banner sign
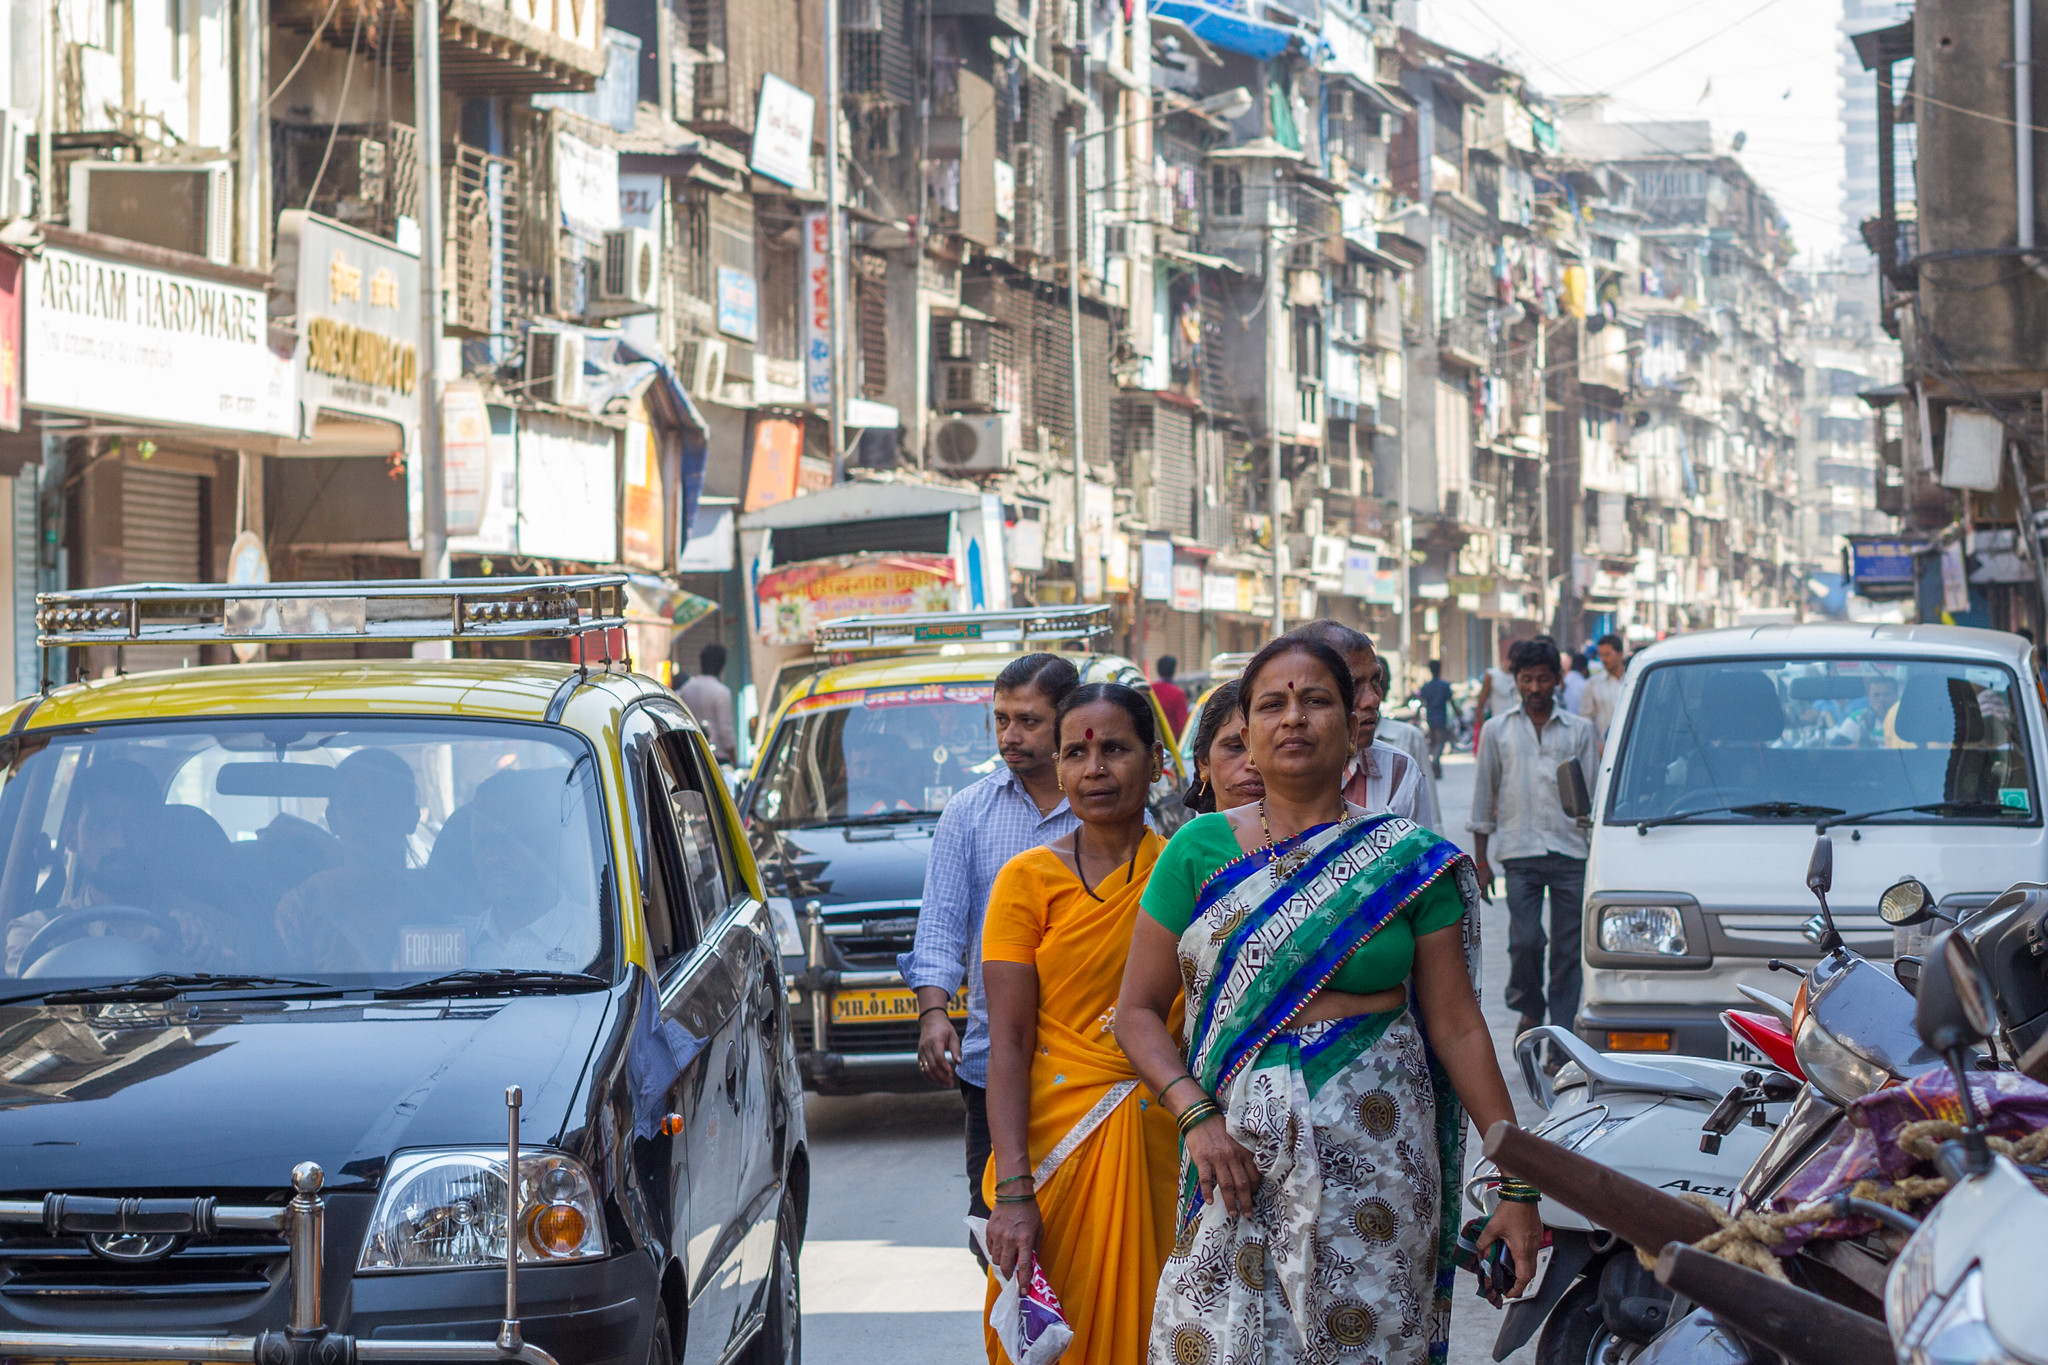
642, 512
10, 341
1156, 570
1955, 583
465, 454
817, 309
772, 476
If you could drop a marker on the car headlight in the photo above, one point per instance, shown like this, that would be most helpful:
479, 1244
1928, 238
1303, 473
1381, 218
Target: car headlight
1832, 1068
1647, 930
789, 941
1954, 1331
442, 1210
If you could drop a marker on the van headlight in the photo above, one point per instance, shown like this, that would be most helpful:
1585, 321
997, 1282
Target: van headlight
1644, 930
1955, 1330
444, 1210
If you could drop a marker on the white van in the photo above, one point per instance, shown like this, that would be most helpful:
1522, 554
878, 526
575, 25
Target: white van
1917, 749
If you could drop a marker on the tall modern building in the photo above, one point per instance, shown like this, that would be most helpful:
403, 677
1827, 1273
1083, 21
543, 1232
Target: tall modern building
1859, 119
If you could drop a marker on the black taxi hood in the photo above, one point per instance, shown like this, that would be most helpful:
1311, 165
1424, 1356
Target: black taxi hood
849, 863
198, 1095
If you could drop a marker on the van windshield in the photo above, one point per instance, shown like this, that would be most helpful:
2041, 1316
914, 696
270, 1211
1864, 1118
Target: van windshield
875, 754
1791, 740
363, 851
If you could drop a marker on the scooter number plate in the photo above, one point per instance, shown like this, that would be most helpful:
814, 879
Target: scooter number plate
1739, 1051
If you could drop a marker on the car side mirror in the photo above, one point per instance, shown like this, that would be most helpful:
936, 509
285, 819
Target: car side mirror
1905, 903
1572, 793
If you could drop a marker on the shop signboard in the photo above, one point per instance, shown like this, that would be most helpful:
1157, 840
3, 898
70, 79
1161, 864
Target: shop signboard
11, 275
357, 301
641, 518
1187, 587
1219, 592
817, 310
796, 597
739, 304
783, 119
709, 548
1155, 571
568, 500
586, 186
1881, 567
465, 455
111, 337
778, 453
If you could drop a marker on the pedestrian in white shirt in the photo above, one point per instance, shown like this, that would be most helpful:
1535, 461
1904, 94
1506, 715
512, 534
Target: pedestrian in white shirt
1517, 819
1574, 682
710, 701
1380, 776
1603, 689
1496, 696
1410, 740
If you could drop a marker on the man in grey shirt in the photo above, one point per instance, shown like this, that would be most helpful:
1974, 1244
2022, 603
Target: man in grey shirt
710, 701
1517, 819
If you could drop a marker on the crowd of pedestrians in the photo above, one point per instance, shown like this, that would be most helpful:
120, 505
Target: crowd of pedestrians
1216, 1084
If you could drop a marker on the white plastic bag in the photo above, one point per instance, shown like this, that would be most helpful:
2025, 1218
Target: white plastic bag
1026, 1315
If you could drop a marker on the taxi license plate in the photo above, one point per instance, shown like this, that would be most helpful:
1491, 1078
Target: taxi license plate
886, 1007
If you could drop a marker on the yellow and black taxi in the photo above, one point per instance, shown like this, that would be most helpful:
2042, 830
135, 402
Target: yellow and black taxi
846, 794
385, 1010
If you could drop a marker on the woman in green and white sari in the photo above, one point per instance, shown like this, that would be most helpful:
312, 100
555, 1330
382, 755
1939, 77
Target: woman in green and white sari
1333, 1032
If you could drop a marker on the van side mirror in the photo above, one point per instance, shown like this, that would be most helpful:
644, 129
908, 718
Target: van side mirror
1572, 792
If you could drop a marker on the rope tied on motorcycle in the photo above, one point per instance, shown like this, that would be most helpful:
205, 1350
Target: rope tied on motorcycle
1748, 1238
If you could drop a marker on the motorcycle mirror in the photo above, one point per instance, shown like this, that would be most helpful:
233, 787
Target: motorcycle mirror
1906, 902
1907, 970
1946, 1021
1572, 793
1820, 868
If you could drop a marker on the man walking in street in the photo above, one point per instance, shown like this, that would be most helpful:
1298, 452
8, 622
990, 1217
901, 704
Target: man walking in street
1172, 700
1409, 739
1603, 689
1435, 696
1016, 807
710, 701
1496, 695
1516, 819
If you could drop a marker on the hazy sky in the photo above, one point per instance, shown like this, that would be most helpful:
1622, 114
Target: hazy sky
1762, 67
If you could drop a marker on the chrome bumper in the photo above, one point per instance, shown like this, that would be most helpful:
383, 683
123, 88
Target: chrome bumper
306, 1340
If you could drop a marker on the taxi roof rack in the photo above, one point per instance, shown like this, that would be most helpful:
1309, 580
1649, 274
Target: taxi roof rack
397, 610
931, 630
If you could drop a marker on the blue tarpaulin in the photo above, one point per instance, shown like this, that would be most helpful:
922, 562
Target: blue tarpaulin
1221, 25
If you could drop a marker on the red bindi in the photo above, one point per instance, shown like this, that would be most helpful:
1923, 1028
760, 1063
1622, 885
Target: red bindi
1290, 687
1087, 734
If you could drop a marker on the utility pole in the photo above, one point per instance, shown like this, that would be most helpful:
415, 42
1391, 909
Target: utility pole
426, 70
1275, 339
835, 235
1074, 348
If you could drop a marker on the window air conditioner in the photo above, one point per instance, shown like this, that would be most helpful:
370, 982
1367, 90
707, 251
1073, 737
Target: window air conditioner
554, 366
632, 268
1326, 556
969, 445
181, 208
701, 362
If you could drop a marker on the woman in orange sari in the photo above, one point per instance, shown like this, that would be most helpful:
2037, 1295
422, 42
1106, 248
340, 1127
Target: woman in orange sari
1086, 1164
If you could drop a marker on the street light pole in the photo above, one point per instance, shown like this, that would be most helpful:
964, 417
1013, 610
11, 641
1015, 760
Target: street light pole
426, 66
1277, 338
1074, 347
835, 245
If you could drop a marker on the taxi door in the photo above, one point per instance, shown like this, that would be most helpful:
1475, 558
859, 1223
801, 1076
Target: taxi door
736, 1081
699, 994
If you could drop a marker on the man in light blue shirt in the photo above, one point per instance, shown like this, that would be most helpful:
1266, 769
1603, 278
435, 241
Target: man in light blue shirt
984, 826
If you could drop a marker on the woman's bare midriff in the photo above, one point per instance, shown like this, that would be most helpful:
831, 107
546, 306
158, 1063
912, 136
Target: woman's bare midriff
1329, 1004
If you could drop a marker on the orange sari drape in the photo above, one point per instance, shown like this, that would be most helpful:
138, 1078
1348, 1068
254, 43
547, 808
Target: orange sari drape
1109, 1208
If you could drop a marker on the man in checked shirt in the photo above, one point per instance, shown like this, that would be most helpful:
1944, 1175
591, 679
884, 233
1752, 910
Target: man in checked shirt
1015, 808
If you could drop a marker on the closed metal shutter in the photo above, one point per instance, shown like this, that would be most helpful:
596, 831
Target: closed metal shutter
1173, 468
159, 526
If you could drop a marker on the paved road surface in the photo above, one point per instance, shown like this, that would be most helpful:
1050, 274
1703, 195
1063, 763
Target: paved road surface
886, 1275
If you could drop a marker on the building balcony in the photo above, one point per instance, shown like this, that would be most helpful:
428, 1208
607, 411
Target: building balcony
487, 47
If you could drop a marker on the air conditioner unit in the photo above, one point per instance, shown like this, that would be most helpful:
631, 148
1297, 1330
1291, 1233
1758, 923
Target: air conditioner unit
860, 16
969, 445
182, 208
17, 191
554, 366
701, 362
632, 268
1326, 556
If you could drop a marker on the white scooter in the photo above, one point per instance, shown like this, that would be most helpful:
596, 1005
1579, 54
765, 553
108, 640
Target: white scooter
1645, 1119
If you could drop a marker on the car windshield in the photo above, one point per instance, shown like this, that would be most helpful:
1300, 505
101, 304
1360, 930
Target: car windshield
876, 753
357, 852
1799, 739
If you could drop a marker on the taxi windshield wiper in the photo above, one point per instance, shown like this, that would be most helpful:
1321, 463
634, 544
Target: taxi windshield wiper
164, 986
1926, 808
495, 981
876, 817
1761, 810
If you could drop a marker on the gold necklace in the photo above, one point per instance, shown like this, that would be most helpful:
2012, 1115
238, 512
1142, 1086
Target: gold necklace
1285, 864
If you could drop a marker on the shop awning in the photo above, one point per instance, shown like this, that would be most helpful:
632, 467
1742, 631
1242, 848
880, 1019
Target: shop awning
861, 500
1231, 29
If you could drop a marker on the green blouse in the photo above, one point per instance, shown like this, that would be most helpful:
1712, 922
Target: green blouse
1207, 843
